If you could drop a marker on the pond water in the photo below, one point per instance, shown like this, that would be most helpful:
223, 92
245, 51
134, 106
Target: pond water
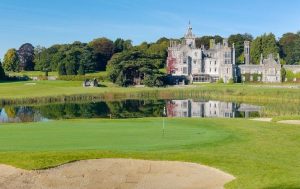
129, 109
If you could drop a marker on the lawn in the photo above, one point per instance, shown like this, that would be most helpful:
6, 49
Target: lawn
260, 155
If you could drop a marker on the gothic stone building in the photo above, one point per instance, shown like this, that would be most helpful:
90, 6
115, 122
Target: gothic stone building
187, 62
268, 69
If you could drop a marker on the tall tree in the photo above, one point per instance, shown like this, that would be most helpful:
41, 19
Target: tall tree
265, 44
103, 49
290, 48
122, 45
204, 40
26, 57
2, 73
135, 67
11, 60
238, 40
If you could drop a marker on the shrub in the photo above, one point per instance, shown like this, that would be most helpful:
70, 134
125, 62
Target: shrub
220, 80
230, 81
290, 75
283, 74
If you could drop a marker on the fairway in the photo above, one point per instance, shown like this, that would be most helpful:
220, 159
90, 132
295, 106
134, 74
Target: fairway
259, 155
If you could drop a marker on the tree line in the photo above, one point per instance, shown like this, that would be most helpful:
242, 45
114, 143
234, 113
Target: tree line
127, 64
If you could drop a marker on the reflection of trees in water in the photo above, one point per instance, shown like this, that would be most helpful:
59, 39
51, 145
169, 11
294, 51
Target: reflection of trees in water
66, 111
117, 109
22, 114
136, 108
122, 109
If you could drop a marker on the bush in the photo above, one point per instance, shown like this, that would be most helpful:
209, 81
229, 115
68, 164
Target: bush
290, 75
283, 74
156, 80
230, 81
220, 80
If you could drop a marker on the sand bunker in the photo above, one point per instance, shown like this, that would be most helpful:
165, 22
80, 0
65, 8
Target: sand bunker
263, 119
116, 174
294, 122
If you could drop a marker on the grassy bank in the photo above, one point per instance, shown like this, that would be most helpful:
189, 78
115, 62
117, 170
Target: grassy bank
260, 155
60, 91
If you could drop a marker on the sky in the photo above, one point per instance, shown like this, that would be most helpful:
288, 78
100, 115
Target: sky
48, 22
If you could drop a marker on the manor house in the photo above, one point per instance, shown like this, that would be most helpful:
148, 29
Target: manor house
200, 64
186, 62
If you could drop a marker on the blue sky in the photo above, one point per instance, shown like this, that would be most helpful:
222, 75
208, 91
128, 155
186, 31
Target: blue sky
47, 22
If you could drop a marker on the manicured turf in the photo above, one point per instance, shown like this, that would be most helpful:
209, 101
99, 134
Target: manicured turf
260, 155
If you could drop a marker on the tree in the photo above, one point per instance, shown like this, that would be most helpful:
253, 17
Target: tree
290, 48
11, 60
2, 73
159, 48
42, 59
122, 45
265, 44
238, 40
135, 67
204, 40
283, 74
62, 69
26, 57
81, 70
103, 49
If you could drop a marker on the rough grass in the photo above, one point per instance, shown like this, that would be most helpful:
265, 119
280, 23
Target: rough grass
260, 155
236, 92
31, 73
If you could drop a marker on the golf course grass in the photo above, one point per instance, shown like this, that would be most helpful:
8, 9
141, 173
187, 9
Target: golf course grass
259, 154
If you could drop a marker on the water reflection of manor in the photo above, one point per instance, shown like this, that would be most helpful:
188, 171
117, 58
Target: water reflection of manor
191, 108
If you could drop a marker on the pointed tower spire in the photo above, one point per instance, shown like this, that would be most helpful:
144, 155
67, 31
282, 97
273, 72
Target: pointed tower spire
189, 37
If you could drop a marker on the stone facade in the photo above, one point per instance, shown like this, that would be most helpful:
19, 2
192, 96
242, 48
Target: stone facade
200, 64
187, 62
268, 70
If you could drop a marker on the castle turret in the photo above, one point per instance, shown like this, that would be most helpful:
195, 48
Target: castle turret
233, 54
189, 37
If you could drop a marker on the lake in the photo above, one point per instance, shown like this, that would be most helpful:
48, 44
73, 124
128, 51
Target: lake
130, 109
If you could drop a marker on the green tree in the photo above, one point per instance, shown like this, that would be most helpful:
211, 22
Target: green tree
11, 60
283, 74
2, 73
265, 44
204, 40
62, 69
238, 40
122, 45
135, 67
42, 59
103, 49
81, 70
290, 48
